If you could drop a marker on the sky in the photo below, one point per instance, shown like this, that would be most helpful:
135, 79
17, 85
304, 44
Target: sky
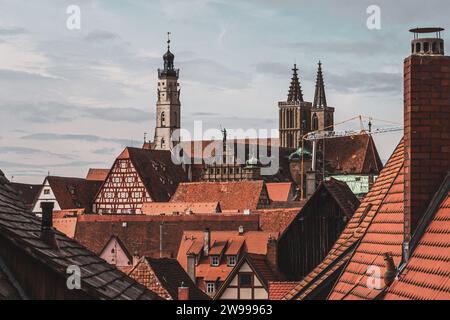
73, 99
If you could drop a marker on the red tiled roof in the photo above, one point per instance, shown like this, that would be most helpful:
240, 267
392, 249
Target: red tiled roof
276, 220
164, 276
72, 193
66, 225
278, 289
280, 191
352, 155
389, 181
255, 242
138, 231
231, 195
157, 208
95, 174
427, 272
23, 231
384, 234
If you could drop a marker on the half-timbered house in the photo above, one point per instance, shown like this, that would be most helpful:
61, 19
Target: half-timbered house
138, 176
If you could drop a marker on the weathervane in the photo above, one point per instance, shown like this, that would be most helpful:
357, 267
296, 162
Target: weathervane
168, 40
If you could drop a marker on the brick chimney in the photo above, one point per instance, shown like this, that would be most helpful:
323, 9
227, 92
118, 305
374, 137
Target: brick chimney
427, 124
183, 292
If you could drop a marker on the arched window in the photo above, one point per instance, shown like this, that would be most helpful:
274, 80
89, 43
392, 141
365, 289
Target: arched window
434, 47
163, 143
163, 119
315, 122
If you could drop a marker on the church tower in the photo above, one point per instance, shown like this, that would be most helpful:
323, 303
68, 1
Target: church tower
294, 114
168, 115
322, 116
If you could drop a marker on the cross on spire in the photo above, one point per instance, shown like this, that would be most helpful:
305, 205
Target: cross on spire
168, 40
320, 100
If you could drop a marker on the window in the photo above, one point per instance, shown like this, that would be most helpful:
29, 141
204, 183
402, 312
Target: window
215, 261
163, 119
231, 261
245, 280
46, 191
210, 287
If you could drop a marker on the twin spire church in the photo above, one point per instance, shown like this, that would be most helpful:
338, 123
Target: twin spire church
296, 116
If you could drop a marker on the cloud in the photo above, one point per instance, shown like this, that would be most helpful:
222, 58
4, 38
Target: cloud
273, 68
49, 112
375, 82
74, 137
101, 35
33, 151
213, 74
12, 31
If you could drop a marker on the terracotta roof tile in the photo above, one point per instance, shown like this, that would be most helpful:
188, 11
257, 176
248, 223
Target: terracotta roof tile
158, 208
95, 174
231, 195
427, 272
388, 183
278, 289
276, 220
280, 191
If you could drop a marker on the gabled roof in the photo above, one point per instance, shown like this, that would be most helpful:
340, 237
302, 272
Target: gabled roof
426, 275
342, 194
258, 263
23, 230
71, 193
231, 195
329, 269
158, 208
279, 191
27, 192
170, 276
158, 172
351, 155
96, 174
276, 219
255, 242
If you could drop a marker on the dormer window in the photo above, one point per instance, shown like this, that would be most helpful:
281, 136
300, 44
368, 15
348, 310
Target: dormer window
231, 261
215, 261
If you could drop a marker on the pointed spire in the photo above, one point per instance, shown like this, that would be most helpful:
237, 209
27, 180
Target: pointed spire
295, 90
320, 100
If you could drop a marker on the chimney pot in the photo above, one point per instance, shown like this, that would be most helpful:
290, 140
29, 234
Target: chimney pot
183, 292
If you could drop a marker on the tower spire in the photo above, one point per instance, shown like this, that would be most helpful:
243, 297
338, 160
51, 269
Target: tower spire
320, 100
295, 91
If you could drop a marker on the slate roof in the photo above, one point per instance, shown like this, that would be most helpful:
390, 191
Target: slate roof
23, 230
231, 195
27, 192
426, 275
73, 193
389, 181
170, 276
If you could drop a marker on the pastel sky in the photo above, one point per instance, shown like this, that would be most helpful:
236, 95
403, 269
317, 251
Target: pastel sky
72, 99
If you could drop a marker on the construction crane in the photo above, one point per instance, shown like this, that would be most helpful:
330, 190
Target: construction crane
325, 134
